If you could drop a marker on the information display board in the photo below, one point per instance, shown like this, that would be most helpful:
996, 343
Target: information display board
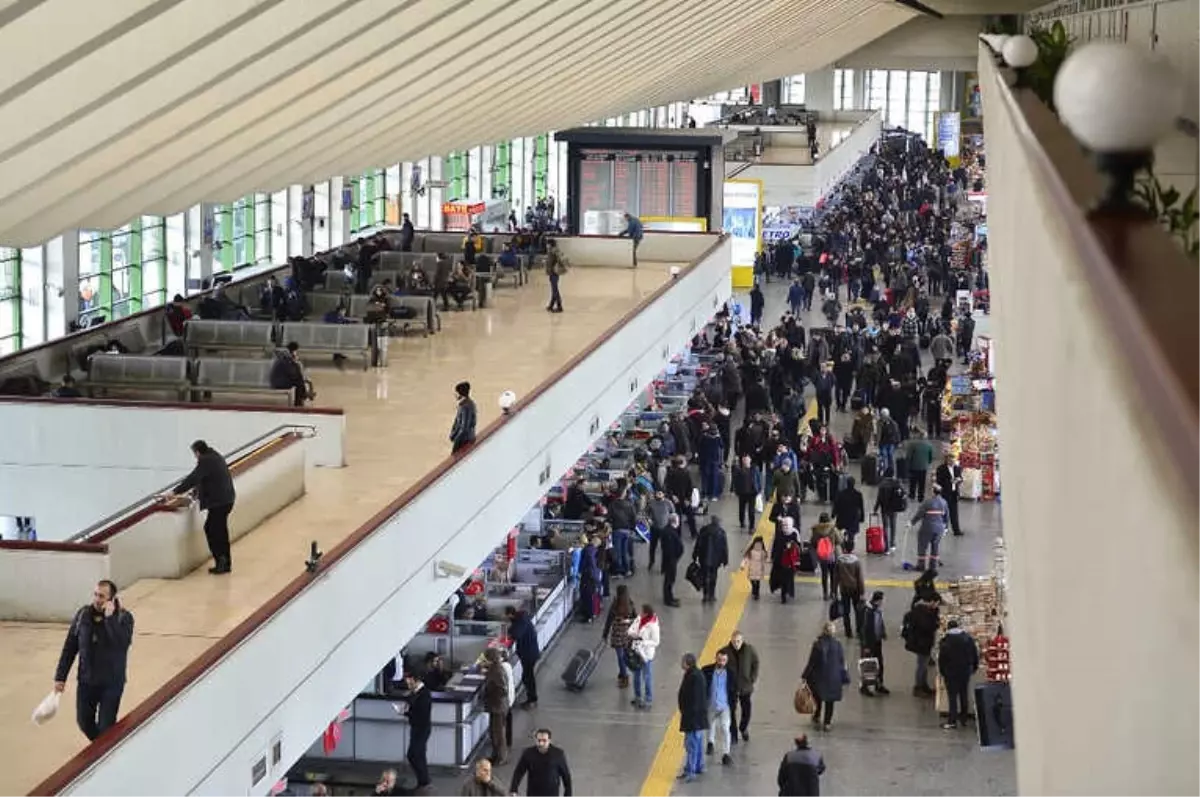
645, 182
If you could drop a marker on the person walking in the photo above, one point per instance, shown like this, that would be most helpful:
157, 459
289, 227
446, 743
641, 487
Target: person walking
722, 694
556, 267
888, 437
645, 635
621, 615
826, 675
932, 514
419, 711
671, 541
785, 559
826, 540
800, 771
873, 633
949, 478
919, 453
525, 640
546, 766
711, 460
99, 635
215, 492
633, 231
824, 384
919, 632
659, 510
693, 717
711, 552
757, 303
851, 586
746, 482
958, 659
754, 562
743, 664
482, 782
848, 509
890, 500
462, 433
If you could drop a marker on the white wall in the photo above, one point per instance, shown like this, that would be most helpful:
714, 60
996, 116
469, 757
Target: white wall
923, 43
351, 616
101, 458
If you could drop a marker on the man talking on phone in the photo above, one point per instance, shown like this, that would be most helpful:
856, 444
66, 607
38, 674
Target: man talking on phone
100, 635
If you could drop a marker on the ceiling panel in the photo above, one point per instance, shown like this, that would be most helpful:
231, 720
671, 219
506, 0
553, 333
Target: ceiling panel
111, 110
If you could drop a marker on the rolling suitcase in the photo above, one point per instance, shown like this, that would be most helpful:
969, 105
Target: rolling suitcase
581, 666
902, 468
876, 542
870, 470
808, 559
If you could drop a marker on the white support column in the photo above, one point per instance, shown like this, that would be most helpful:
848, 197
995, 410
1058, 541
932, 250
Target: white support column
818, 90
69, 243
208, 228
307, 219
859, 95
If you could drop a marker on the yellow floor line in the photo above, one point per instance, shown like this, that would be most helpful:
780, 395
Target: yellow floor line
668, 760
875, 582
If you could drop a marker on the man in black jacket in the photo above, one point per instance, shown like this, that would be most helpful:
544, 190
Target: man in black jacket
874, 632
948, 476
671, 541
420, 726
743, 665
848, 509
525, 639
678, 485
711, 552
100, 634
693, 717
546, 766
462, 433
214, 490
800, 771
958, 659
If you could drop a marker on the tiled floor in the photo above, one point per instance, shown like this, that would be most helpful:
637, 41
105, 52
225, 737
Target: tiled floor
882, 745
397, 424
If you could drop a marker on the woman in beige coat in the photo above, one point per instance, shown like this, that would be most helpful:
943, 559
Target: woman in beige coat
755, 562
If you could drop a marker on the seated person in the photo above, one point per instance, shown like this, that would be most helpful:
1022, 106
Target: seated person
508, 258
337, 315
67, 389
435, 672
379, 303
417, 282
288, 374
461, 284
177, 314
272, 298
219, 307
295, 305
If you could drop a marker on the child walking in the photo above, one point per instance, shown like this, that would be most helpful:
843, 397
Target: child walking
754, 562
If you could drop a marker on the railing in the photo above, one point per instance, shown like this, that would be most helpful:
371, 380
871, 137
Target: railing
159, 700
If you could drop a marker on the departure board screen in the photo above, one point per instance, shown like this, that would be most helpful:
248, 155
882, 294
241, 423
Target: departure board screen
625, 187
595, 185
684, 179
655, 188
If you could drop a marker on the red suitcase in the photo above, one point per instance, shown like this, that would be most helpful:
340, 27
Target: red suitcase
876, 542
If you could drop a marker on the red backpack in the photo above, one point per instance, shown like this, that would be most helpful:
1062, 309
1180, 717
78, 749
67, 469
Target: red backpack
825, 549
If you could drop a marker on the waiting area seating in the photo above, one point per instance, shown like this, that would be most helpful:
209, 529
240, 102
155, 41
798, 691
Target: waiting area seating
249, 377
200, 335
345, 339
108, 372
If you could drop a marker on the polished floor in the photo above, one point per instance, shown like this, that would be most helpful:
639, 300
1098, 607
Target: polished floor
881, 745
398, 419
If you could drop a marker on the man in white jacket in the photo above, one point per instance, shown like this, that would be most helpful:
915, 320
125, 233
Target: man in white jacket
644, 636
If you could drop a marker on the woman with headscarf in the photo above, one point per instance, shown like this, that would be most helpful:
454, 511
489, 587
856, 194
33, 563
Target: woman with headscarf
785, 559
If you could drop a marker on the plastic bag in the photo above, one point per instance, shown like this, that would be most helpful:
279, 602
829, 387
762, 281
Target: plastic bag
758, 503
46, 710
695, 498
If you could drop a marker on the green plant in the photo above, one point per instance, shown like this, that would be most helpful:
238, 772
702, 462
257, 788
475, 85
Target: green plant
1054, 45
1178, 214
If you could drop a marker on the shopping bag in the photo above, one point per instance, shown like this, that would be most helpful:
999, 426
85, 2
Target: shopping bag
695, 502
758, 503
803, 700
46, 710
693, 576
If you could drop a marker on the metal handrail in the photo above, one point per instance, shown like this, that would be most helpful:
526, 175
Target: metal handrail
305, 430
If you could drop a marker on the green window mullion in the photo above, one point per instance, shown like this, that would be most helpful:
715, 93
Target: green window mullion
226, 220
541, 151
502, 170
368, 204
251, 230
355, 199
135, 268
105, 287
18, 292
269, 240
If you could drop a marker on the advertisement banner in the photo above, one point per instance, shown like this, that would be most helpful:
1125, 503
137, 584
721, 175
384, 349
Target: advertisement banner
949, 135
743, 219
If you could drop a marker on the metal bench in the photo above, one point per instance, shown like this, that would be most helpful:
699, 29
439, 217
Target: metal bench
335, 280
216, 375
199, 335
136, 372
330, 338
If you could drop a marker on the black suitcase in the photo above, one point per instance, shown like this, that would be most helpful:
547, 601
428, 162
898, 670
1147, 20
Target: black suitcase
870, 470
581, 666
902, 468
925, 341
857, 402
808, 559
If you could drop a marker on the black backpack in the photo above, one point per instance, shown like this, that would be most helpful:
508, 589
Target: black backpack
898, 499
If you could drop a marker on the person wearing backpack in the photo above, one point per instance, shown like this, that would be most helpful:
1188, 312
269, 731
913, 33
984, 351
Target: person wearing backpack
890, 500
825, 539
889, 438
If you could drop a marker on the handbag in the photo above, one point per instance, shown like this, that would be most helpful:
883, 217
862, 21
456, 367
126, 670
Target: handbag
803, 700
835, 611
634, 659
693, 576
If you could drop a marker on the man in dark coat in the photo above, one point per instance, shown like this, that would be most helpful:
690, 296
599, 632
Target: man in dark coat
874, 632
848, 509
825, 673
462, 433
524, 636
672, 551
958, 659
800, 771
693, 717
743, 665
214, 490
711, 552
948, 476
100, 635
919, 631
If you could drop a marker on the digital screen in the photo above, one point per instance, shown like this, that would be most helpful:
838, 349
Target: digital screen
625, 187
684, 177
595, 185
655, 193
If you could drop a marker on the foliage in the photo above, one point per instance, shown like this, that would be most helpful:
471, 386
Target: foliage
1178, 214
1054, 45
1007, 24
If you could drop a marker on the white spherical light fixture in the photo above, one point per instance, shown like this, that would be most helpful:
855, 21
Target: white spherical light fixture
507, 400
1019, 51
674, 272
1117, 98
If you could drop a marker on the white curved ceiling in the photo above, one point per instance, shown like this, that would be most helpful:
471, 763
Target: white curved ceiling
114, 108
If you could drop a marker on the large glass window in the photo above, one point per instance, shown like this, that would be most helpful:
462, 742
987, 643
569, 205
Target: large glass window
153, 261
243, 232
279, 226
223, 237
95, 275
56, 307
793, 90
295, 221
10, 300
843, 89
193, 266
393, 188
877, 89
33, 293
177, 255
126, 271
262, 228
321, 216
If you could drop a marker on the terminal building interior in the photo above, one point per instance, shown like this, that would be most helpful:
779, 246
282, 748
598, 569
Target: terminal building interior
573, 397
